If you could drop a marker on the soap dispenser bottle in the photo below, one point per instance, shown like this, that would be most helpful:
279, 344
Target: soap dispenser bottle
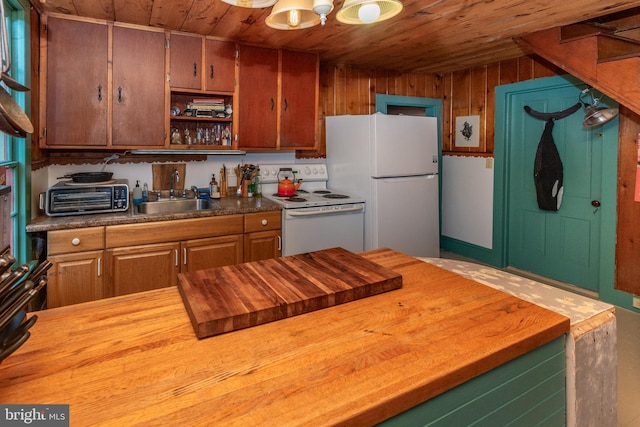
145, 192
214, 190
137, 194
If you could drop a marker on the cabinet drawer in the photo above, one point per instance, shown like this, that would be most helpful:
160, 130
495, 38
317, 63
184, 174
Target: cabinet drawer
172, 231
262, 221
75, 240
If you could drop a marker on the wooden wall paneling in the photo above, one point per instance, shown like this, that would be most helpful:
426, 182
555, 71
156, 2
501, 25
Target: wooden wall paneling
628, 226
525, 69
477, 104
352, 91
508, 72
434, 86
424, 85
447, 92
493, 80
368, 89
460, 103
418, 85
397, 83
340, 88
326, 105
382, 82
543, 68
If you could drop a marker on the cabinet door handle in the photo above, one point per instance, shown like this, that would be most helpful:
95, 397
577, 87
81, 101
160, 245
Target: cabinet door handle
195, 69
176, 253
273, 104
99, 267
212, 73
119, 94
99, 93
184, 256
286, 104
279, 243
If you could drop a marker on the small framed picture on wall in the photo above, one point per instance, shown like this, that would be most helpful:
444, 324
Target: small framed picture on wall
467, 131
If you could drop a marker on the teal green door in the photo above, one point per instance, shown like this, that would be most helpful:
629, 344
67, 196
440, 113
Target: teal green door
563, 245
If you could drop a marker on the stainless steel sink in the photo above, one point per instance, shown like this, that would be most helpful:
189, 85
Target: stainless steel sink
176, 206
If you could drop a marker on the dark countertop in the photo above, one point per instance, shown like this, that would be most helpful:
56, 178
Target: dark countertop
230, 205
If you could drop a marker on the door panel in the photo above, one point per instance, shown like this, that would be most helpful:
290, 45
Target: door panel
562, 245
405, 215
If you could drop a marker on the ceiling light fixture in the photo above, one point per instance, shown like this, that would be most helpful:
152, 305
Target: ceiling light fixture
292, 15
322, 8
299, 14
368, 11
253, 4
594, 115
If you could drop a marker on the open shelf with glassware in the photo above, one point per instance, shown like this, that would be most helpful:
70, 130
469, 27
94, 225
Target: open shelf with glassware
201, 121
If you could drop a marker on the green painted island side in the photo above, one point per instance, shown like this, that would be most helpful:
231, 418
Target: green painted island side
527, 391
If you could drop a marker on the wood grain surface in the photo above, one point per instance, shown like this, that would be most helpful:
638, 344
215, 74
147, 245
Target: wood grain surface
134, 360
240, 296
162, 175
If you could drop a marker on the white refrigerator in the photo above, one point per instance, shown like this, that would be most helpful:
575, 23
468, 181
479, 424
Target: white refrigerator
391, 161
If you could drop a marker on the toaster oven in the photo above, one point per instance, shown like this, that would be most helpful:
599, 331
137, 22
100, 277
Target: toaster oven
70, 198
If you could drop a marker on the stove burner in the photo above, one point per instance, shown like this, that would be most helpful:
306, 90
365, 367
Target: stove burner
321, 192
335, 196
281, 197
296, 199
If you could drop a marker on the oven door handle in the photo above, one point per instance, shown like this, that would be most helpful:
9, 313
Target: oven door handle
322, 212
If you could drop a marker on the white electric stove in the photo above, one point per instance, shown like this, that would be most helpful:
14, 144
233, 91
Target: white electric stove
316, 217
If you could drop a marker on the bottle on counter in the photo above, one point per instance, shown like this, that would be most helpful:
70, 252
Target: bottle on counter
145, 192
137, 194
257, 184
213, 188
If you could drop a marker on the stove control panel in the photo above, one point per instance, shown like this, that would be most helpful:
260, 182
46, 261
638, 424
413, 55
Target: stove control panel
305, 172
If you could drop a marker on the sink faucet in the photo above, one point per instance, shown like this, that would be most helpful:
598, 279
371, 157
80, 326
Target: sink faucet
195, 191
175, 177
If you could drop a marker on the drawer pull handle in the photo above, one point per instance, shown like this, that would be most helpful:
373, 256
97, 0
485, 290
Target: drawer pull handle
265, 222
75, 241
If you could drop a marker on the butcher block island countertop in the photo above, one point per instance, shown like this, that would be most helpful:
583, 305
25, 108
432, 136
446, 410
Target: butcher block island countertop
135, 359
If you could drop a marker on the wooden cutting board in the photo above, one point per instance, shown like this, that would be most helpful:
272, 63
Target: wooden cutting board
239, 296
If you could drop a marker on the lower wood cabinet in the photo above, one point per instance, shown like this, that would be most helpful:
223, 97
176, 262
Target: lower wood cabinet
99, 262
214, 252
77, 272
141, 268
261, 245
74, 278
262, 236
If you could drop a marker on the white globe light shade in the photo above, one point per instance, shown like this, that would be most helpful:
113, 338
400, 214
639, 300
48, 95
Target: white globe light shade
369, 12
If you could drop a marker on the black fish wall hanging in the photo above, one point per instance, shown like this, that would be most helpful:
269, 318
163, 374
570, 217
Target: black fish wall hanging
548, 170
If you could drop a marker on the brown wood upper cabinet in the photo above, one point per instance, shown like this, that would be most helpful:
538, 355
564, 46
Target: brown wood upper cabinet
281, 88
80, 89
198, 63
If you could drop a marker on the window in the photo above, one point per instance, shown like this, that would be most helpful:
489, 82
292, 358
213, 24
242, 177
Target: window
15, 205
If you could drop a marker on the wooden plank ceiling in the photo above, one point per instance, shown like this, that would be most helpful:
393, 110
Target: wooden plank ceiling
433, 36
